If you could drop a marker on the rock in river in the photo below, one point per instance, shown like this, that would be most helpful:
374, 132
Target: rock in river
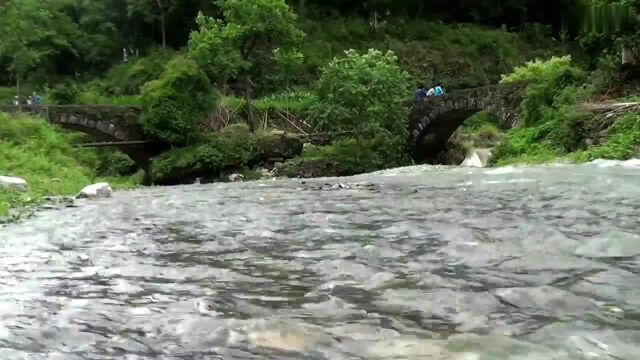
236, 178
478, 158
13, 183
99, 190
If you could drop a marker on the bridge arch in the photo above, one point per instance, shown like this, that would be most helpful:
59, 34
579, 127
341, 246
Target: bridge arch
435, 119
105, 123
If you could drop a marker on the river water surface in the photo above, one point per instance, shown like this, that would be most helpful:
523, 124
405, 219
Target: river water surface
415, 263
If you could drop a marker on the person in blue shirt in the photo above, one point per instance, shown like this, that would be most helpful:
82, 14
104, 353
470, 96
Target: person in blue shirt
439, 90
421, 93
36, 100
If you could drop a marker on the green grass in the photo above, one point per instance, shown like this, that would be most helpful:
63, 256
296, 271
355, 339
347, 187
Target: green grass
622, 142
91, 97
44, 156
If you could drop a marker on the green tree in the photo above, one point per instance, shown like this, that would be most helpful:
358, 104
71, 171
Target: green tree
32, 33
239, 44
177, 103
359, 92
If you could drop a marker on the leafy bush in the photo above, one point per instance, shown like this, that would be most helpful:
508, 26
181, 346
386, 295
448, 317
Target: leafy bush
363, 91
176, 104
65, 93
129, 78
546, 79
524, 145
112, 162
234, 147
567, 128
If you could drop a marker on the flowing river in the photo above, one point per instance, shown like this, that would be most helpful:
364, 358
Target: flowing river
415, 263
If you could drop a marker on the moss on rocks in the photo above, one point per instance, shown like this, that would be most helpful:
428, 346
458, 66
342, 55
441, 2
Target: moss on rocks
347, 157
233, 148
278, 145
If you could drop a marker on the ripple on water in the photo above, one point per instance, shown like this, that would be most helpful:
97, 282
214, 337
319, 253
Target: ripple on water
412, 263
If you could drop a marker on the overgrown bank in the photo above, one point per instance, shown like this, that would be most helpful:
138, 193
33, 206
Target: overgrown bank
556, 123
45, 157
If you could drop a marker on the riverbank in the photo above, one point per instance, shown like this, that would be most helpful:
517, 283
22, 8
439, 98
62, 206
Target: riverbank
45, 158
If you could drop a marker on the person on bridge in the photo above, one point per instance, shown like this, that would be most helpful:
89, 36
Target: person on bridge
421, 93
439, 90
36, 99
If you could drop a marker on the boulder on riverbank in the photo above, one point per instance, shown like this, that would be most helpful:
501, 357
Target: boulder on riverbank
14, 183
478, 158
278, 145
99, 190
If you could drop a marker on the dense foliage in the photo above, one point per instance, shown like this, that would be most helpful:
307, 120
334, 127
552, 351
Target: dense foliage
554, 126
232, 148
358, 92
83, 37
176, 103
252, 32
364, 96
545, 81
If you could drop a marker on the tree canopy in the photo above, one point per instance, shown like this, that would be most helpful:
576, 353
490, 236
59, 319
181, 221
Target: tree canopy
78, 37
244, 39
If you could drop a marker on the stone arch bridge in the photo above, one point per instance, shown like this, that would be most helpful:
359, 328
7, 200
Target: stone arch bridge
115, 126
434, 119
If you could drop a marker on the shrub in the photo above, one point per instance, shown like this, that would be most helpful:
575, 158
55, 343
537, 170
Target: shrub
360, 91
177, 103
129, 78
232, 148
567, 128
65, 93
546, 79
111, 162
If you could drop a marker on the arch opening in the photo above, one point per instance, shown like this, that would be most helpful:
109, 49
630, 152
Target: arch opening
436, 133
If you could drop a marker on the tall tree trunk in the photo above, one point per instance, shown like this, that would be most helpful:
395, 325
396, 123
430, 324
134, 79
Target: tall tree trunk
164, 31
253, 121
162, 23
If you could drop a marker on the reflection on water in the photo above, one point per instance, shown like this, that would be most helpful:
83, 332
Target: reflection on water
416, 263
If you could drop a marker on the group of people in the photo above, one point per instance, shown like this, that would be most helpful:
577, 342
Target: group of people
422, 91
32, 100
